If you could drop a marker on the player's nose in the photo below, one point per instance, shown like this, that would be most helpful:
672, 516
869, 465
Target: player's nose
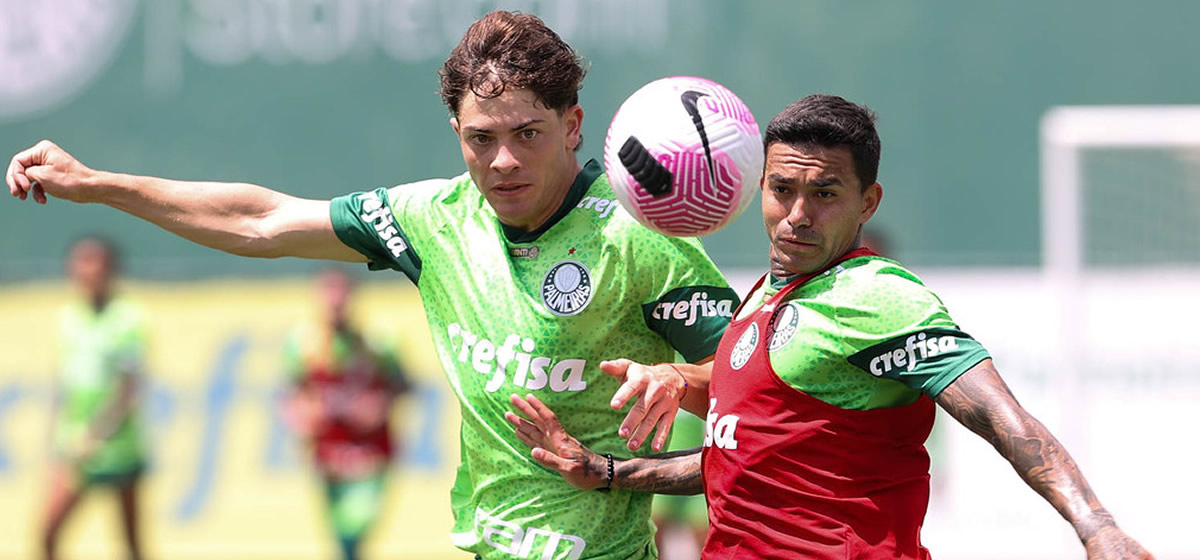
505, 161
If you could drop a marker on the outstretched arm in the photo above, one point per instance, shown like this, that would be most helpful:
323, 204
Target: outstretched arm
981, 401
237, 218
677, 472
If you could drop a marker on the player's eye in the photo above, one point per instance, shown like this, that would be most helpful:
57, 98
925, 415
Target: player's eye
479, 139
529, 134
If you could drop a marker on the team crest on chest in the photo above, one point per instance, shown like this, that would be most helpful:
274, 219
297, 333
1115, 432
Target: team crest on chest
786, 324
567, 288
744, 347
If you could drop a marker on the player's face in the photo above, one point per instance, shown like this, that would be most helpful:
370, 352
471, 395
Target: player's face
813, 205
334, 290
519, 153
90, 267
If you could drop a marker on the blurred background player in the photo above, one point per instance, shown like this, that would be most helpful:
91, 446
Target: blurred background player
342, 388
682, 520
97, 435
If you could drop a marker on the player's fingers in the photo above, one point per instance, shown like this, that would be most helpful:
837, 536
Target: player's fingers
658, 404
10, 178
642, 431
616, 368
662, 429
528, 438
548, 417
39, 195
548, 459
637, 415
631, 388
18, 183
516, 421
526, 409
527, 432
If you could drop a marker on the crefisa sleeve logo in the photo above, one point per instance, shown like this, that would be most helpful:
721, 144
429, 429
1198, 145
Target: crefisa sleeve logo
567, 288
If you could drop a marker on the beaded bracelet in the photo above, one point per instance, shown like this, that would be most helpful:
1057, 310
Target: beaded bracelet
608, 483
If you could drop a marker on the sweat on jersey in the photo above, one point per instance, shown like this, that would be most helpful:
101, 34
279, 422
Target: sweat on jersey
536, 312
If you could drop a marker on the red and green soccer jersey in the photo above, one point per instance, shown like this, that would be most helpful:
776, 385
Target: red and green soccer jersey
536, 312
819, 408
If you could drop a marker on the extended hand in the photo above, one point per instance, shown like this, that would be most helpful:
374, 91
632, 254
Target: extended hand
553, 447
46, 169
1111, 543
658, 388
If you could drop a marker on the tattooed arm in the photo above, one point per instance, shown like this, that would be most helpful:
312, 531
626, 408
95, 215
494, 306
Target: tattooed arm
677, 472
982, 402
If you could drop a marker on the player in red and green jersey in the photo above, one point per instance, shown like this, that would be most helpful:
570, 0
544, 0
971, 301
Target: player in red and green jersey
342, 387
528, 274
823, 390
97, 432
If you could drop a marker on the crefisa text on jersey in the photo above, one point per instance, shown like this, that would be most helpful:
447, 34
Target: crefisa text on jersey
916, 348
379, 215
488, 358
691, 309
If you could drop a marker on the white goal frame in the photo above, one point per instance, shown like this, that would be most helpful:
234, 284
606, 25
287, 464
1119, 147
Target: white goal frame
1065, 132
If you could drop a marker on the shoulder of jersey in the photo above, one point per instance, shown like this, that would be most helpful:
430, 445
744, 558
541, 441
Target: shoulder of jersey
864, 278
433, 191
436, 202
615, 220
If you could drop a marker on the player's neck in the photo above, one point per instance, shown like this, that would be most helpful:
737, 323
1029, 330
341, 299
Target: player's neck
99, 300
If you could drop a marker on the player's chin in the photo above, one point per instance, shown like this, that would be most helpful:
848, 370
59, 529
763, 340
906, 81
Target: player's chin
798, 263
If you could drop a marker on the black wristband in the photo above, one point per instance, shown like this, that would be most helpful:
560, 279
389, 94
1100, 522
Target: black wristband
608, 482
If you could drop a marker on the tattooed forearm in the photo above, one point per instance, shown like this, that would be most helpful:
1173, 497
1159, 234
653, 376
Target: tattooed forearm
677, 472
982, 402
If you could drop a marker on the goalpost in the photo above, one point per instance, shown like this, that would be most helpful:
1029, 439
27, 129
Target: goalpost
1120, 226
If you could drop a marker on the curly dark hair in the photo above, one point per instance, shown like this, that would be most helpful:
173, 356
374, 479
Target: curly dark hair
829, 121
511, 49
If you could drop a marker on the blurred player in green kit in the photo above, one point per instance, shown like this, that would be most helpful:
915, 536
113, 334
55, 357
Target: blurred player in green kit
342, 390
97, 434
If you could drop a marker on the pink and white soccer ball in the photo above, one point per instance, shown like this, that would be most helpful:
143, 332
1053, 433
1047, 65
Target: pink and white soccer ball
684, 156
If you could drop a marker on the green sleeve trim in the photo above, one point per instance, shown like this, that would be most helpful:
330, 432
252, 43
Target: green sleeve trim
366, 222
939, 384
692, 318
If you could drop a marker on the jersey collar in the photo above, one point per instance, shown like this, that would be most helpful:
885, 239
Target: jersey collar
591, 170
776, 283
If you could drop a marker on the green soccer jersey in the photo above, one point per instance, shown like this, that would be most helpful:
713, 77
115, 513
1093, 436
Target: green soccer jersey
536, 312
867, 334
98, 351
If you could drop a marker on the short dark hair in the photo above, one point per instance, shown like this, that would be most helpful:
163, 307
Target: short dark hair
829, 121
511, 49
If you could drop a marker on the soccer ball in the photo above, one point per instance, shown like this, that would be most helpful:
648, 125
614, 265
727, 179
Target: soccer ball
684, 156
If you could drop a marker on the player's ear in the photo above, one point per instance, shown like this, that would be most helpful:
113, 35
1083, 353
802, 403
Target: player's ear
454, 124
573, 119
871, 199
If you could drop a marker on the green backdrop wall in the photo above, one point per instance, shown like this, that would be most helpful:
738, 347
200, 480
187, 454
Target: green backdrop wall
321, 97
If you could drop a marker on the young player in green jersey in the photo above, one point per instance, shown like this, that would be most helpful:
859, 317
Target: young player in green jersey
529, 273
342, 386
97, 434
822, 392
